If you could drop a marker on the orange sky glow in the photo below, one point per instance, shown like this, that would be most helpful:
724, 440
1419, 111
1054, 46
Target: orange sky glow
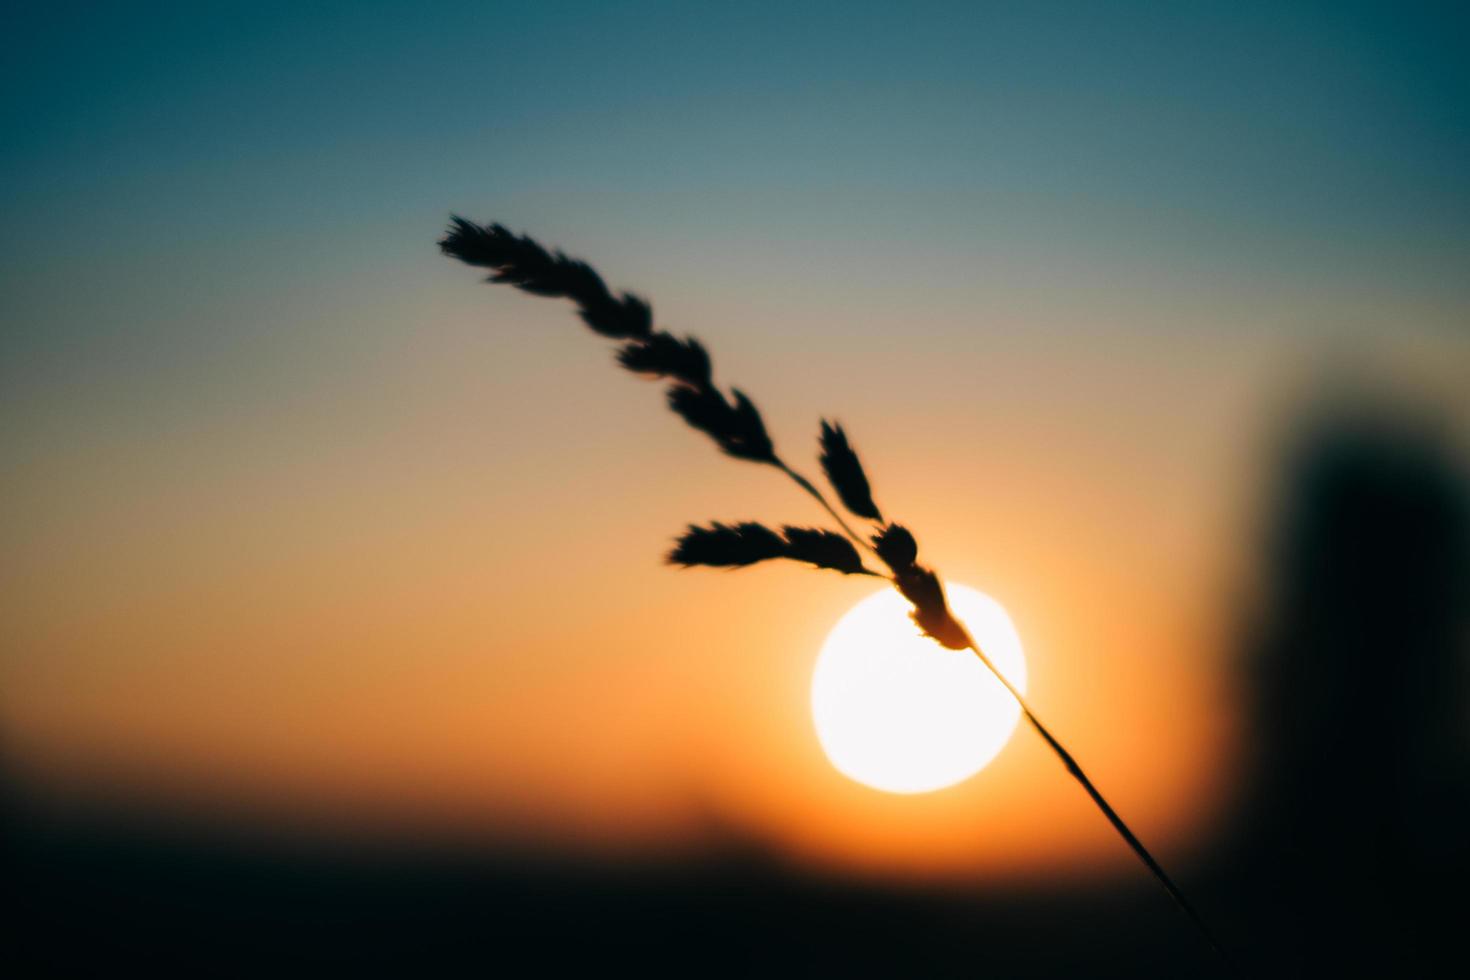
427, 593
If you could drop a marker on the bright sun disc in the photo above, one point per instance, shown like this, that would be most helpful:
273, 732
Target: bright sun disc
896, 711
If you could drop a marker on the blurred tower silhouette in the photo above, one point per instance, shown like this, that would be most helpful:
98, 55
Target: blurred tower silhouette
1353, 847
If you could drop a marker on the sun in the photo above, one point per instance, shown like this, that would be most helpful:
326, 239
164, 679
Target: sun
896, 711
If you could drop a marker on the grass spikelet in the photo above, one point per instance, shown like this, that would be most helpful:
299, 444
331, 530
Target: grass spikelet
663, 355
737, 428
896, 547
845, 473
519, 261
727, 545
748, 543
824, 549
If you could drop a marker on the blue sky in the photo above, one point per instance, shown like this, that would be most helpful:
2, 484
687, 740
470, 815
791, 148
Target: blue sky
1322, 133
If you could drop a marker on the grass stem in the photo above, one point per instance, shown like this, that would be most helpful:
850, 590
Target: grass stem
1102, 804
821, 498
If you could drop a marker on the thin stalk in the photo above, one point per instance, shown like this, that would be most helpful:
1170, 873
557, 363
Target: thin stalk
1102, 804
807, 485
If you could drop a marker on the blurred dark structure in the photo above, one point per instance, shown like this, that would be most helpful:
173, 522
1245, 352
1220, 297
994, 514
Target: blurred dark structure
1348, 857
1351, 856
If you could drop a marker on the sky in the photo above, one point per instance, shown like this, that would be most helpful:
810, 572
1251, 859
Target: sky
302, 520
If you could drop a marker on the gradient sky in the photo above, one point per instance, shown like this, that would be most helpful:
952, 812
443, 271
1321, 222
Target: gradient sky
299, 516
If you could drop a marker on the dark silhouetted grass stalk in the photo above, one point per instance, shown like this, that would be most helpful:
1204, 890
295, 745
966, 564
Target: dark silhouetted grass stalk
735, 425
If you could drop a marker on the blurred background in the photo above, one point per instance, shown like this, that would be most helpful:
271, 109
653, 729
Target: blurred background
334, 631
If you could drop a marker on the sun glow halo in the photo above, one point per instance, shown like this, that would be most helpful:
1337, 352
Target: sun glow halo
896, 711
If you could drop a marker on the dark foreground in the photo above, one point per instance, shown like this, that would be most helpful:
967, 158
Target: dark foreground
104, 897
